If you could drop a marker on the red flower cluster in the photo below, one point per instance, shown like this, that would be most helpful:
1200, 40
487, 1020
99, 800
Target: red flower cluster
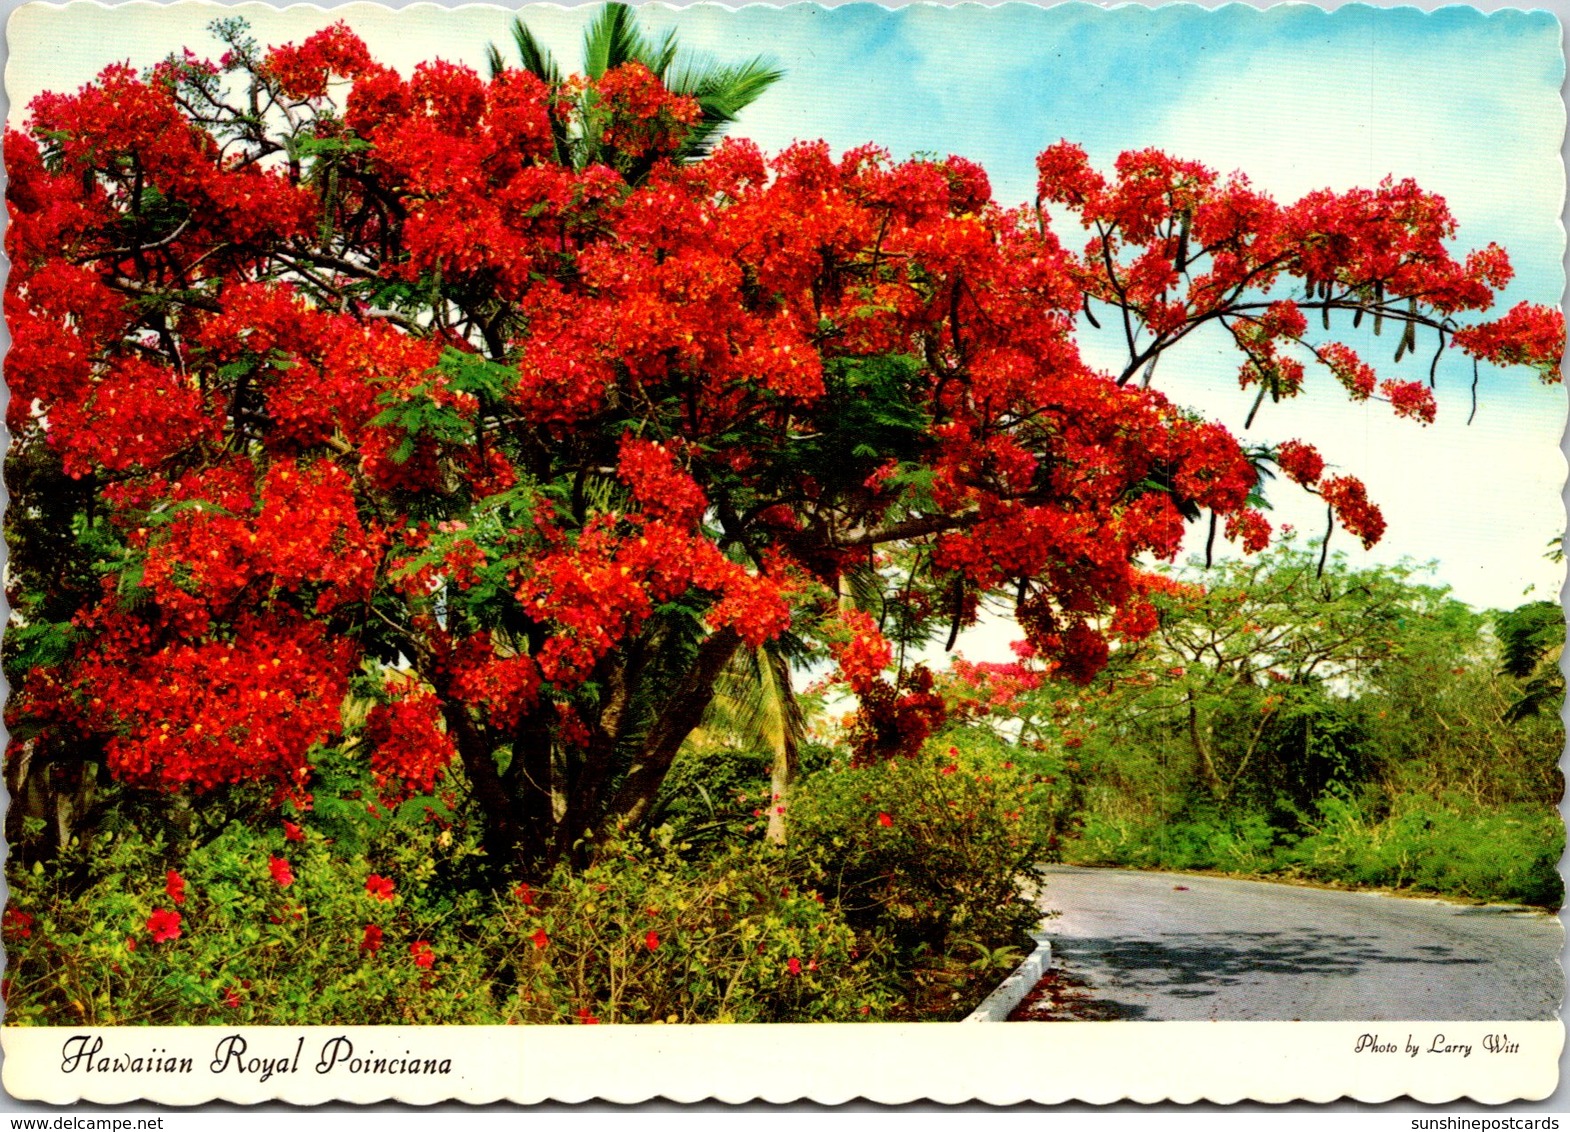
1410, 399
409, 752
282, 874
164, 925
1301, 462
1529, 335
420, 951
174, 886
1349, 500
16, 924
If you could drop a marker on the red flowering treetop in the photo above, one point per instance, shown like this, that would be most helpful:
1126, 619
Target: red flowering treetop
462, 396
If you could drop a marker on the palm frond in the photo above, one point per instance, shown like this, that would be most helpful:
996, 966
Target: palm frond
659, 61
535, 58
495, 62
722, 93
755, 704
613, 39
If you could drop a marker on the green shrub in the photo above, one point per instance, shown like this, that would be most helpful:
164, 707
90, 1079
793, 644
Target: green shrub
1448, 845
382, 917
646, 936
1244, 842
714, 797
935, 854
265, 930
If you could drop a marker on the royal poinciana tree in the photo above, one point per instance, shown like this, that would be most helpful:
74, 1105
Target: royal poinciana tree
497, 406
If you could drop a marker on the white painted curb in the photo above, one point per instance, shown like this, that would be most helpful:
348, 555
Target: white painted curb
998, 1005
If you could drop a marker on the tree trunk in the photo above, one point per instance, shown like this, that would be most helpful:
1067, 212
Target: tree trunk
786, 755
1207, 761
691, 698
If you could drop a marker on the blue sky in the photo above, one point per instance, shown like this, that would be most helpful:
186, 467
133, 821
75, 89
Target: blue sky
1465, 102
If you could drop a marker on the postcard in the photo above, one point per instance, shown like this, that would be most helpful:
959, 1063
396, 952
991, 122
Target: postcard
779, 552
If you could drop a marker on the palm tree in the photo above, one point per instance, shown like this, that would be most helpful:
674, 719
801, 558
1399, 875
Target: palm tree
722, 91
755, 706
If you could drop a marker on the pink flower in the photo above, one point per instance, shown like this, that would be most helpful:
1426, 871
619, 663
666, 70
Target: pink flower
164, 925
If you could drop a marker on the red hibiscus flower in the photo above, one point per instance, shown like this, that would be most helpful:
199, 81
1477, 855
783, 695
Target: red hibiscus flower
540, 939
885, 820
164, 925
292, 832
379, 887
422, 953
281, 871
794, 965
174, 885
652, 941
372, 939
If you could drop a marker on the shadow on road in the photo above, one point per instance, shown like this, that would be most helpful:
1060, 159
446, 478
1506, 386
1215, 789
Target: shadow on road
1193, 965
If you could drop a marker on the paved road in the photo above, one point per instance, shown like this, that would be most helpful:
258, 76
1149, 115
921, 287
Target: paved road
1237, 950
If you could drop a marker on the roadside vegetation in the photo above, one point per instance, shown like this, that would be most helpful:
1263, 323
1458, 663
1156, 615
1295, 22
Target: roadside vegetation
1356, 726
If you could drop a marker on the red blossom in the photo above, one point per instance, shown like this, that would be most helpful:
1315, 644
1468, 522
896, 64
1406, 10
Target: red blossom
409, 751
379, 887
174, 886
371, 940
281, 872
1349, 500
1410, 399
1301, 462
420, 951
164, 925
16, 923
1529, 334
793, 965
885, 820
292, 832
652, 941
540, 939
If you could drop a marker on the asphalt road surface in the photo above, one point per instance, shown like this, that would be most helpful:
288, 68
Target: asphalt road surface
1162, 946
